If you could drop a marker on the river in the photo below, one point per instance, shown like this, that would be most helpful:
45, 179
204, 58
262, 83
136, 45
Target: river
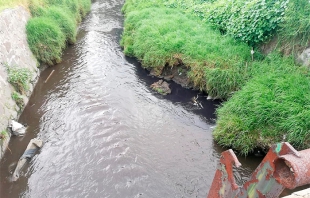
106, 133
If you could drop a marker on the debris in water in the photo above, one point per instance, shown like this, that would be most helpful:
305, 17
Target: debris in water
17, 128
33, 146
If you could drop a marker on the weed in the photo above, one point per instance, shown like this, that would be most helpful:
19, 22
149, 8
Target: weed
3, 135
19, 78
251, 21
18, 99
295, 30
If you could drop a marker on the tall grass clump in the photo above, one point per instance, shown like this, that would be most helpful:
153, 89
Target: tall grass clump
54, 26
64, 21
161, 37
295, 29
45, 39
273, 106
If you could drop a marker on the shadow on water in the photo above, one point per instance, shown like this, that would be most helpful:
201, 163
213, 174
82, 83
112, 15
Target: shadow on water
179, 95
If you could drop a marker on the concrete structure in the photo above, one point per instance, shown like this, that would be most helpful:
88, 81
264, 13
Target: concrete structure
14, 51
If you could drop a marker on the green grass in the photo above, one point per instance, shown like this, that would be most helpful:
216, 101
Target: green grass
268, 99
53, 26
46, 40
3, 135
162, 36
66, 23
19, 78
12, 3
295, 30
273, 106
18, 99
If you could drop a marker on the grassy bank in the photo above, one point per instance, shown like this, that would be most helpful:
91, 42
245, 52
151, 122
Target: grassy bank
53, 26
272, 107
159, 36
214, 39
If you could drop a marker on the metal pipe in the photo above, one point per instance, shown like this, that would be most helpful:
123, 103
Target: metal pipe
292, 171
283, 167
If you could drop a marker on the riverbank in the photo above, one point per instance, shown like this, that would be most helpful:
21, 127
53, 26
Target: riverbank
14, 51
24, 40
267, 95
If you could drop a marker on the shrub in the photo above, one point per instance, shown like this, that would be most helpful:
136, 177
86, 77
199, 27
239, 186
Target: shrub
251, 21
19, 78
46, 40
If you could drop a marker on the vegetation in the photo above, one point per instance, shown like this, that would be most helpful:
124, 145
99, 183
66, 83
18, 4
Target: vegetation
18, 99
295, 29
3, 135
213, 39
154, 36
251, 21
19, 78
11, 3
272, 107
54, 26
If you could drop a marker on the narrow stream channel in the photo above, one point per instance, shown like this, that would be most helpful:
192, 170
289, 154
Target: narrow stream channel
106, 133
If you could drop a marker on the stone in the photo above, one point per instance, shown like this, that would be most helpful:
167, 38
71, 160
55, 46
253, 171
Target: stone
161, 87
304, 58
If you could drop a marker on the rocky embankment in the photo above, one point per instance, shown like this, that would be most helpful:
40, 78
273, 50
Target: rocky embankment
14, 52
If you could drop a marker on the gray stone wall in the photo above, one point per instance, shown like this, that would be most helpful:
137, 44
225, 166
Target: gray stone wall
14, 51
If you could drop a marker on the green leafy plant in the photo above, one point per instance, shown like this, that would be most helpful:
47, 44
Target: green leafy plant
18, 99
19, 78
251, 21
3, 135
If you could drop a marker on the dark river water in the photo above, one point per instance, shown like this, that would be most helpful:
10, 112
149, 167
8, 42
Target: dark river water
106, 133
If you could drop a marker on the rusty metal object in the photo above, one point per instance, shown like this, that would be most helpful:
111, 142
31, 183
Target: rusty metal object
283, 167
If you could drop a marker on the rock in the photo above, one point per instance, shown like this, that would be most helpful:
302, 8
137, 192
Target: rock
161, 87
304, 57
17, 128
